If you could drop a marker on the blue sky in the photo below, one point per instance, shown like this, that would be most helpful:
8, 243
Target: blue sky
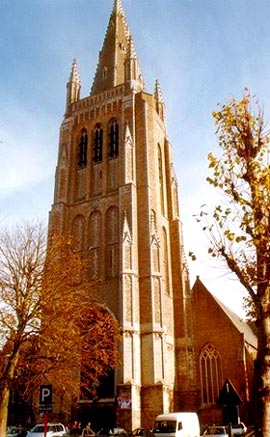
202, 52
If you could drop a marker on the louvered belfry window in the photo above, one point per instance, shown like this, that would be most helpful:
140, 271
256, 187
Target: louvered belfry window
98, 144
83, 144
113, 139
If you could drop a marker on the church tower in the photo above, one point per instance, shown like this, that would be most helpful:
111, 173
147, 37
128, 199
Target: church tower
116, 191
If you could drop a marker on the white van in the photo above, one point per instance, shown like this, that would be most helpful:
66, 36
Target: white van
177, 425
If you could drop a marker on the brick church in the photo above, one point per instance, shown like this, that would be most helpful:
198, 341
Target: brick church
116, 191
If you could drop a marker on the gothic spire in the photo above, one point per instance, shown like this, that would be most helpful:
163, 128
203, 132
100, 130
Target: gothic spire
118, 6
74, 74
74, 84
115, 56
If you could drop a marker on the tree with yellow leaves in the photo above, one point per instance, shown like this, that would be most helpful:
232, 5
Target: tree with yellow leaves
51, 332
239, 228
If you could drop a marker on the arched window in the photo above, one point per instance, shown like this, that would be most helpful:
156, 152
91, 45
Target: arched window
97, 325
98, 143
113, 139
211, 373
82, 154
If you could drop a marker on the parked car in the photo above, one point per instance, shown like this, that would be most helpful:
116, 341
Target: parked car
16, 431
87, 433
216, 431
137, 432
177, 424
239, 429
54, 430
112, 432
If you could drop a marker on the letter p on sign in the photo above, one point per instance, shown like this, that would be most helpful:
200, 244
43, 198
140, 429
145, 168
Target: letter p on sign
45, 395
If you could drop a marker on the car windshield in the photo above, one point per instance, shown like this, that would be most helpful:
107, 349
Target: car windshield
213, 430
38, 428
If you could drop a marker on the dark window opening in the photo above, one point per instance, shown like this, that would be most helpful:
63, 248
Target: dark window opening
98, 143
103, 388
82, 155
106, 386
114, 140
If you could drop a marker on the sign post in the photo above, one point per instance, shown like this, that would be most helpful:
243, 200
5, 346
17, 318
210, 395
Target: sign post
45, 404
45, 421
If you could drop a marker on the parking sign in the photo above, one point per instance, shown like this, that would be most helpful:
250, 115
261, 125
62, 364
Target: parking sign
45, 398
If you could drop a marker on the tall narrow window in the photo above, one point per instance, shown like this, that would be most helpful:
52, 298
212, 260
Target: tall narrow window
105, 72
112, 240
165, 271
94, 244
153, 222
78, 230
82, 155
113, 139
98, 143
160, 177
211, 373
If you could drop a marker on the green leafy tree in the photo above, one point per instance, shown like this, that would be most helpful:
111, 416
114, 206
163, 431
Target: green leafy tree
239, 227
45, 305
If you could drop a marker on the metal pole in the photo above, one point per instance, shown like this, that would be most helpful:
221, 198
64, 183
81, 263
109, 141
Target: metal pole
45, 420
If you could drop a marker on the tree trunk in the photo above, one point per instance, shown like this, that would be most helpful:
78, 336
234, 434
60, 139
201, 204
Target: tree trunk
261, 381
7, 378
4, 401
